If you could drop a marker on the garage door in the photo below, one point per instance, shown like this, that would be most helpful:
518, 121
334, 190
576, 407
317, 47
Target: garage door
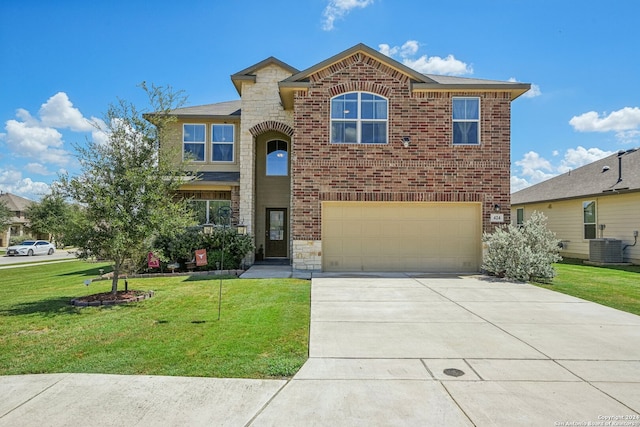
401, 236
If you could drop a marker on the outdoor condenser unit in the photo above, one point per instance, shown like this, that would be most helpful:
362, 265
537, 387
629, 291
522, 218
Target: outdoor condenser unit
605, 250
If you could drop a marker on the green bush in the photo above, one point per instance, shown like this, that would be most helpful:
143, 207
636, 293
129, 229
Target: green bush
524, 252
181, 248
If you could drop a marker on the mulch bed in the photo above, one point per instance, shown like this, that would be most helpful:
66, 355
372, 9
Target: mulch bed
107, 298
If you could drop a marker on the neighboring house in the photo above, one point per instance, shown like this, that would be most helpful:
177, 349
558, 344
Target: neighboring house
19, 223
599, 200
357, 163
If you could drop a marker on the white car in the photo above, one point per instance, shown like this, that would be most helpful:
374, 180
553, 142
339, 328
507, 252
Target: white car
31, 247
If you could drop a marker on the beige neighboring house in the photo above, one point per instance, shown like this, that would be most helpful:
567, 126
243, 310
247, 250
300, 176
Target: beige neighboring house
597, 201
19, 224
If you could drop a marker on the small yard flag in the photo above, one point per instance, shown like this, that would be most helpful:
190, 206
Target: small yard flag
201, 257
152, 260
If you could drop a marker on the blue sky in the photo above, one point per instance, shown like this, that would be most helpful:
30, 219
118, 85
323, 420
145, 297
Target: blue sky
64, 62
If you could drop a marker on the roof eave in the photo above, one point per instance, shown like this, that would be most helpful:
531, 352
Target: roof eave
413, 74
248, 74
610, 192
515, 89
237, 81
287, 91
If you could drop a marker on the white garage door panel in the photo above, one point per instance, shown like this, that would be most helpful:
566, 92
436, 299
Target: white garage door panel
391, 236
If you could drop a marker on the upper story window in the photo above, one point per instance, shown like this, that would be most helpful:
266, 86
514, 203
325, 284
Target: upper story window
277, 158
466, 120
359, 118
589, 219
193, 142
222, 141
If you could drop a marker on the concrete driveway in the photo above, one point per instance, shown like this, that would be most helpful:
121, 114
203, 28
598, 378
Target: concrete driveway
388, 351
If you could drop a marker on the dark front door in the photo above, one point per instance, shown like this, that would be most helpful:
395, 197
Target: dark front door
276, 238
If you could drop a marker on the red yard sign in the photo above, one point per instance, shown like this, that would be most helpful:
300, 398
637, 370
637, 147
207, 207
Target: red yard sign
152, 260
201, 257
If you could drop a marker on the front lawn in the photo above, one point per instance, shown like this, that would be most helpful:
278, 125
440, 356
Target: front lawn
614, 286
263, 331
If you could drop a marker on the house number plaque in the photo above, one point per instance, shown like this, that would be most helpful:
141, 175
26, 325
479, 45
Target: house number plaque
497, 217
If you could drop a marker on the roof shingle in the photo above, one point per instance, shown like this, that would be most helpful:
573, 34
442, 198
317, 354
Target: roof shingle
615, 173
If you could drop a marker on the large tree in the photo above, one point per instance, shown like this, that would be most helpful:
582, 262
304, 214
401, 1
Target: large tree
5, 216
51, 216
127, 184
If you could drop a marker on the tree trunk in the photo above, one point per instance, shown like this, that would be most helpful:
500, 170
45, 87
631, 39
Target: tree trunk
117, 265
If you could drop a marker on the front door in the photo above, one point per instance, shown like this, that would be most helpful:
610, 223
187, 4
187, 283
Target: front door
276, 235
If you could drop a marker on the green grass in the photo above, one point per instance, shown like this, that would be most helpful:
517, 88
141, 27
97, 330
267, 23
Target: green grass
613, 286
263, 331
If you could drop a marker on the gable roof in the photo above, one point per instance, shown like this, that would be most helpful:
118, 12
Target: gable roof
299, 80
16, 203
420, 82
614, 174
248, 74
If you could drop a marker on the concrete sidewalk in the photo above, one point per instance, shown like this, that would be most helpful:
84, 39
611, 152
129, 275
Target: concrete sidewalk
388, 351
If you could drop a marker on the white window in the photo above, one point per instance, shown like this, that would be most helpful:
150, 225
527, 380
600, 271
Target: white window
193, 142
466, 120
359, 118
222, 141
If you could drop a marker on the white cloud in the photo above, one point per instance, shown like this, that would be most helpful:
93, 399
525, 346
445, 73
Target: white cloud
535, 168
11, 181
518, 183
580, 156
37, 168
337, 9
42, 144
58, 112
624, 122
39, 139
425, 64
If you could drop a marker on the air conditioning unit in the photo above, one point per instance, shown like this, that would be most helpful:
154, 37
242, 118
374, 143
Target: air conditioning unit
605, 250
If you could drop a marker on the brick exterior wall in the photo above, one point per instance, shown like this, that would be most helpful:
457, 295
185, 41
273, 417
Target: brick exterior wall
430, 169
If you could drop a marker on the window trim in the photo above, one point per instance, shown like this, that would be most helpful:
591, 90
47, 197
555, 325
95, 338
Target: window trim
203, 143
453, 120
595, 219
232, 143
359, 120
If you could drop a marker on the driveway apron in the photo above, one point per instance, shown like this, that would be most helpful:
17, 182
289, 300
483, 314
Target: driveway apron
456, 350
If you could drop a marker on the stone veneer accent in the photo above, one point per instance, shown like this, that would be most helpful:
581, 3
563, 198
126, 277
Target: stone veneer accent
307, 255
261, 111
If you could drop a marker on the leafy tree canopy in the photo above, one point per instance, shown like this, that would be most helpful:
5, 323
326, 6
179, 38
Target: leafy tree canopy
127, 184
5, 215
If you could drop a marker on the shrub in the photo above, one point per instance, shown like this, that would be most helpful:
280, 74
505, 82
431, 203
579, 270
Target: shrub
524, 252
181, 248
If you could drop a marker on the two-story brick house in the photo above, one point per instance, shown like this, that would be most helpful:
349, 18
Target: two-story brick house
357, 163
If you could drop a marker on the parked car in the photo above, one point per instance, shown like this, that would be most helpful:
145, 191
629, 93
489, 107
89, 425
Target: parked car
31, 247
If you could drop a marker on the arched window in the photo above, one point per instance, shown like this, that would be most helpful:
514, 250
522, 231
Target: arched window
277, 158
359, 118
